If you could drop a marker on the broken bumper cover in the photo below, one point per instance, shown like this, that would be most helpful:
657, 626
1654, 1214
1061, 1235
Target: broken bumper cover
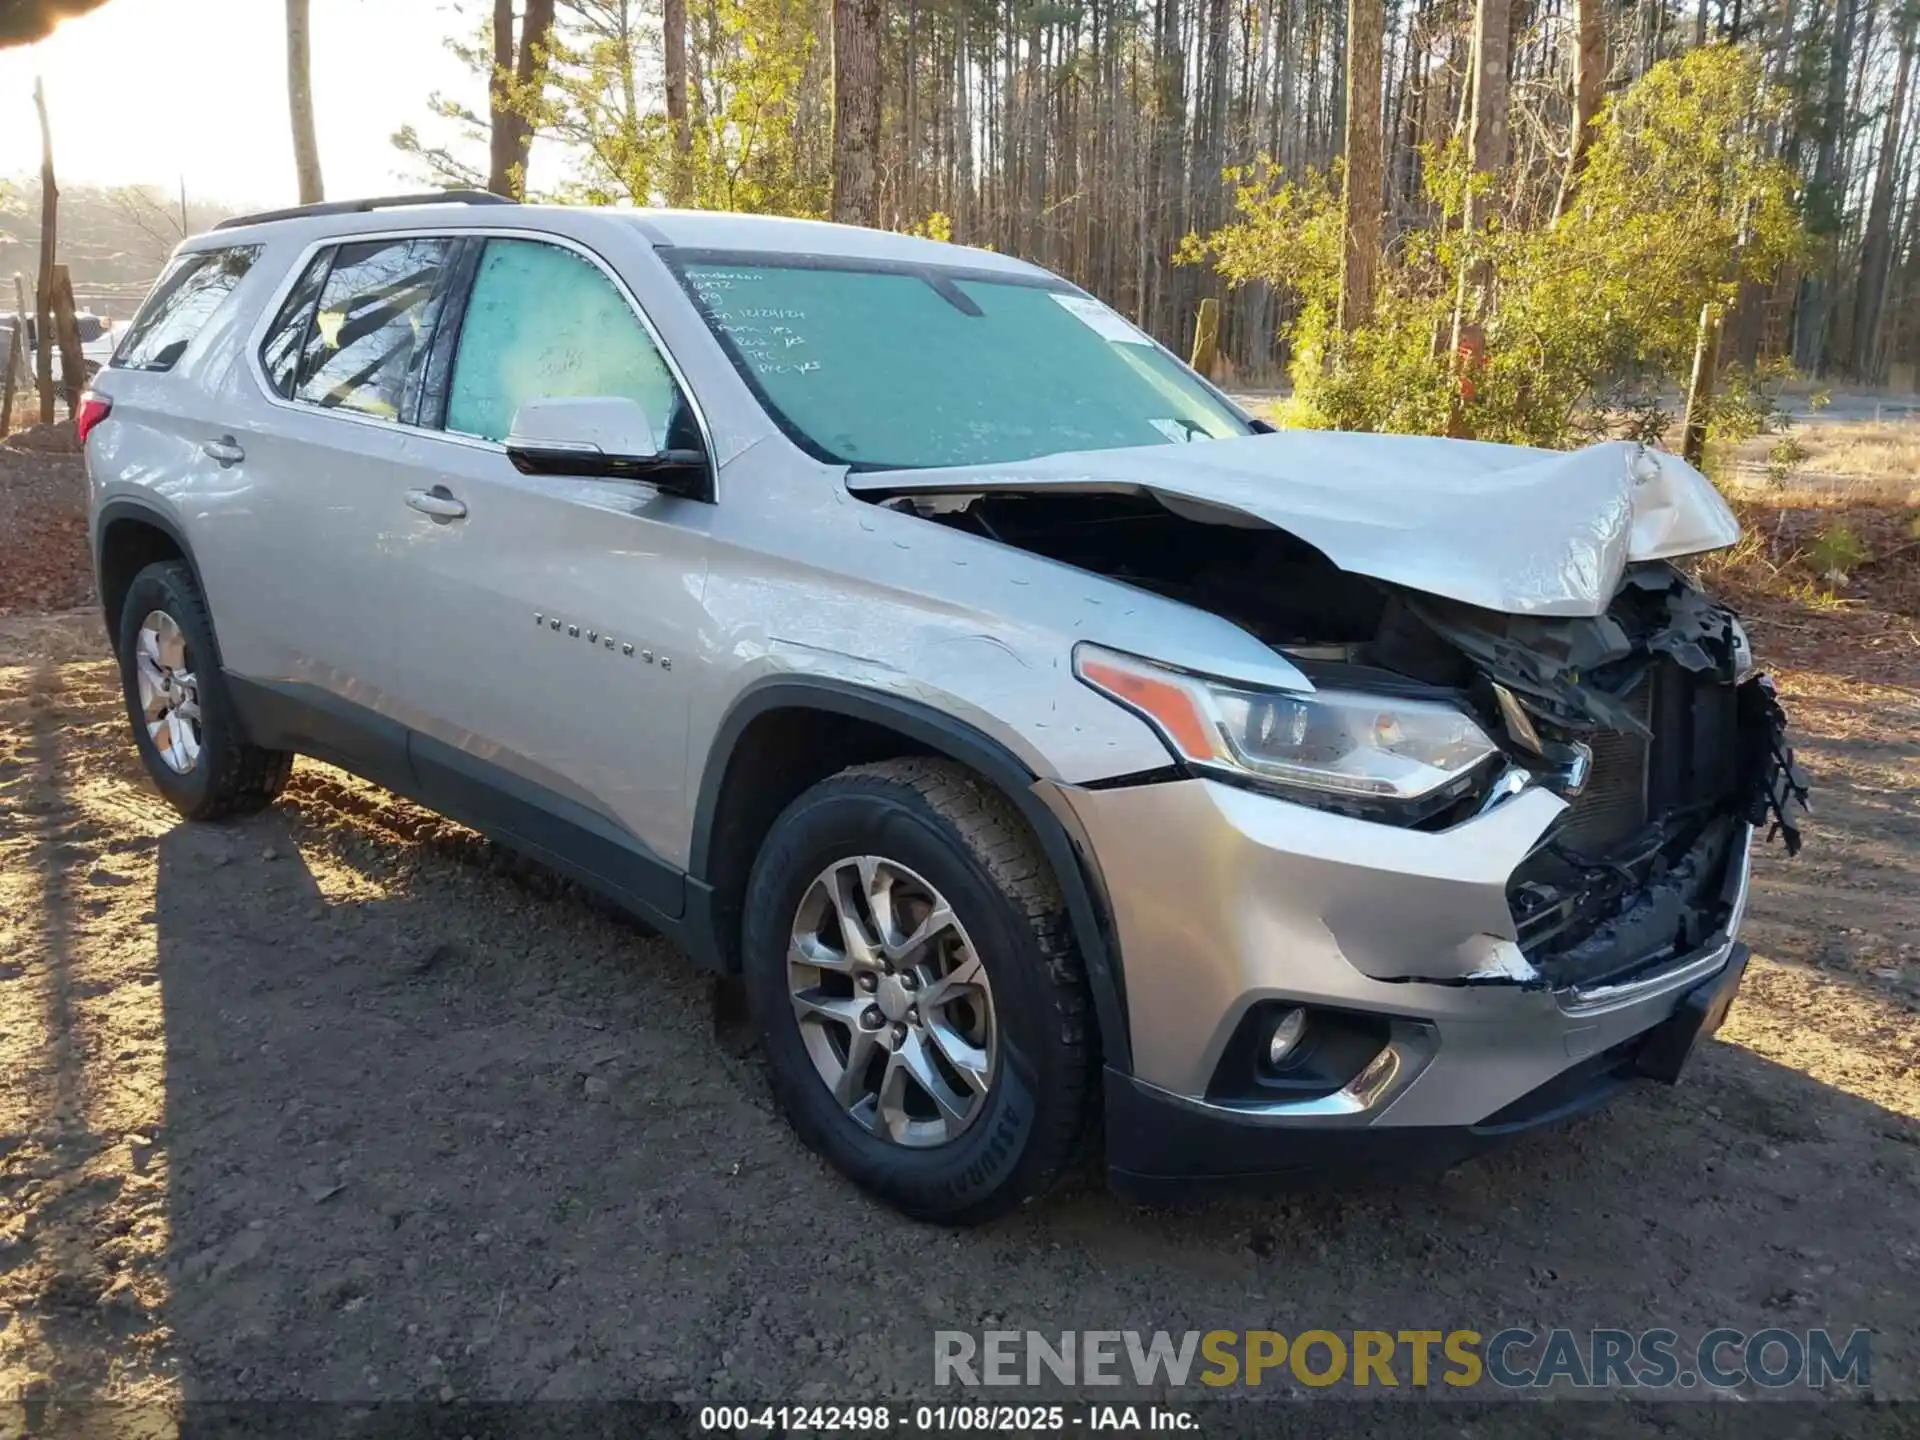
1229, 905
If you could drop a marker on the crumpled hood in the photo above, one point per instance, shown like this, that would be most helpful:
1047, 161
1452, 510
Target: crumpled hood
1504, 527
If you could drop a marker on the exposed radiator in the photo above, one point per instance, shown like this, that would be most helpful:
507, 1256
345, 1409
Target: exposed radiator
1613, 807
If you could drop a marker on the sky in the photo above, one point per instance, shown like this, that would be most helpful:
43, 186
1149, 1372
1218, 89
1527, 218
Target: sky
155, 91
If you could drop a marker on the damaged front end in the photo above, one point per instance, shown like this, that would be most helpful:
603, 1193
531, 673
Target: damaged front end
1650, 722
1646, 718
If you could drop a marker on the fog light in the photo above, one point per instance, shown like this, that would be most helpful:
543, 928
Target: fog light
1286, 1037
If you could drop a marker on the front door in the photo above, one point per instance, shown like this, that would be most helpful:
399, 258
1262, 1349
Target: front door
554, 627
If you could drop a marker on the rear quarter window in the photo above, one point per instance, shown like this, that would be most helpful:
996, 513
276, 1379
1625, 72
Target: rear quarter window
190, 293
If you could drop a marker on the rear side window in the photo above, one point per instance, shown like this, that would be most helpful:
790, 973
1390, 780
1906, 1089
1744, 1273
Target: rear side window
281, 354
190, 293
355, 331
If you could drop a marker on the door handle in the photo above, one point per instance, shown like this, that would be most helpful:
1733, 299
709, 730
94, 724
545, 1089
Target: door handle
226, 450
439, 502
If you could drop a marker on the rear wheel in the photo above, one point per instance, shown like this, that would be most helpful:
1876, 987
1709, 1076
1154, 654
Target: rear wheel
909, 962
183, 719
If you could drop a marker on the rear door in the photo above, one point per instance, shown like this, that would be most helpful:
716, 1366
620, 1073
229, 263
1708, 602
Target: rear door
327, 468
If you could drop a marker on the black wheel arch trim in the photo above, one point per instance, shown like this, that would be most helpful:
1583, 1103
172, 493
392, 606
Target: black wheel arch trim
1073, 867
152, 517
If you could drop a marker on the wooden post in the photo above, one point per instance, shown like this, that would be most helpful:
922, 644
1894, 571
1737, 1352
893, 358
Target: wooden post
43, 295
1706, 360
66, 330
20, 324
20, 357
1206, 337
16, 338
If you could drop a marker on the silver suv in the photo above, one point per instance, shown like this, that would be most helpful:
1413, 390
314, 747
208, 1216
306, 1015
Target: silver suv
1039, 738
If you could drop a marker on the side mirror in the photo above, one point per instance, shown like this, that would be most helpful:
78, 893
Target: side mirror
603, 437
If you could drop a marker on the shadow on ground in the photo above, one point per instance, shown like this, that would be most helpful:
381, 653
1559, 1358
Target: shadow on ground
507, 1159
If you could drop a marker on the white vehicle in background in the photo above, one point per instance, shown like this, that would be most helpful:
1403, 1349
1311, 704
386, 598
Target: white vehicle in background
98, 337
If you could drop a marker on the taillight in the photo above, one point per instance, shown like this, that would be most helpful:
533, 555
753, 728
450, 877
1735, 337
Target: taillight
93, 409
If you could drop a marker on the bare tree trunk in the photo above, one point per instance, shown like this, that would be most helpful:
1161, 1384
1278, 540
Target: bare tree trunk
306, 147
1360, 252
500, 116
1876, 245
1487, 140
49, 234
856, 111
1487, 150
962, 139
512, 91
1822, 199
673, 28
1589, 85
910, 207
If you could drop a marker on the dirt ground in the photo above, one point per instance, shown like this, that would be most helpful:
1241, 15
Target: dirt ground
338, 1103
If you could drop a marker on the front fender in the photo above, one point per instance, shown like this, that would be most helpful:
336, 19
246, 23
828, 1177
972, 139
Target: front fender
935, 729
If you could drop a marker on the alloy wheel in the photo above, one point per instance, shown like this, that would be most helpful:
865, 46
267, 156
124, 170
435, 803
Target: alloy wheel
169, 693
892, 1002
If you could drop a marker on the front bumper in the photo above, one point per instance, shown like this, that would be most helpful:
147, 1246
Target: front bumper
1160, 1146
1224, 899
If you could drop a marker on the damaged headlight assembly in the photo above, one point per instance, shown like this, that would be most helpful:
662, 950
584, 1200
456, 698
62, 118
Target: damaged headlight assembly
1384, 757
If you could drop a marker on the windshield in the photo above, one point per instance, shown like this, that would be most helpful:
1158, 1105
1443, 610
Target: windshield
894, 367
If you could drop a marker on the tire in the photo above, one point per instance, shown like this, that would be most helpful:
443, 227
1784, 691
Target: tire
224, 775
939, 830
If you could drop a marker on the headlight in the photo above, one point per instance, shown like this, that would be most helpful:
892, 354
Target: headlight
1743, 666
1331, 745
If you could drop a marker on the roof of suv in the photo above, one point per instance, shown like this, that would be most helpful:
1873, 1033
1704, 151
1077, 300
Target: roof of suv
687, 229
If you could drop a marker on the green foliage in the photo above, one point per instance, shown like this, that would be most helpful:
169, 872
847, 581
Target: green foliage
1589, 316
757, 144
593, 101
759, 138
1836, 551
1746, 403
1784, 457
936, 226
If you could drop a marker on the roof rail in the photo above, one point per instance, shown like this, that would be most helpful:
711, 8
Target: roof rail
360, 207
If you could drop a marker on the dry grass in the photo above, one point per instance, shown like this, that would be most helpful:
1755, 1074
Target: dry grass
1829, 565
1877, 459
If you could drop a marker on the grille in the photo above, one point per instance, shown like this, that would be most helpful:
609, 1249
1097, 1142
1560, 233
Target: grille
1588, 905
1613, 807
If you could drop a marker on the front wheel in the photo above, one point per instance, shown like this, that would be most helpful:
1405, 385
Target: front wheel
909, 961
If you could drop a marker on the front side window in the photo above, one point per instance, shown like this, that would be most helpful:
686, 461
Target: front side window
545, 323
894, 367
187, 296
368, 336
